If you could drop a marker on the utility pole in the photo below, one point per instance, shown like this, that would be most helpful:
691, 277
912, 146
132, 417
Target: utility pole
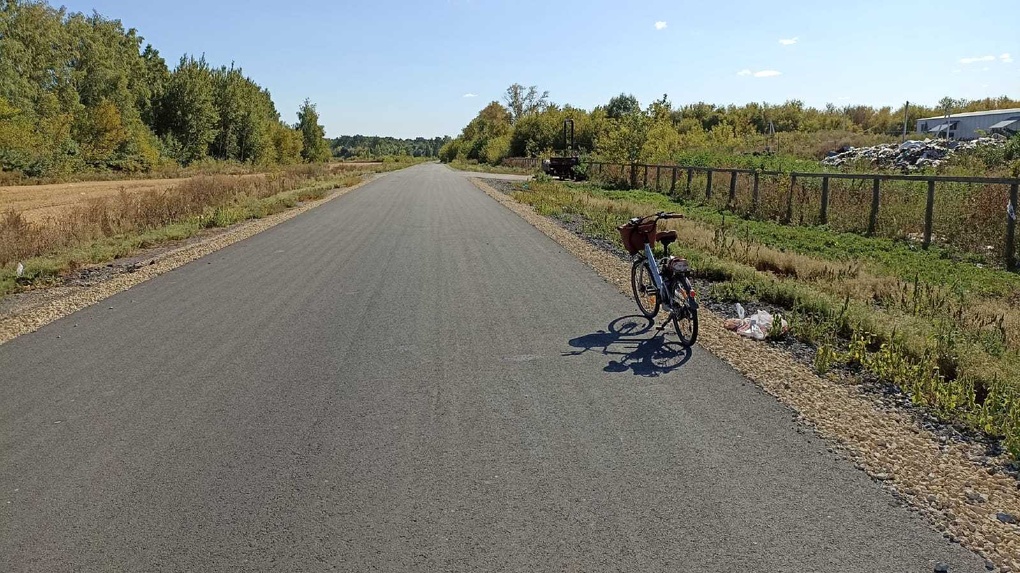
906, 108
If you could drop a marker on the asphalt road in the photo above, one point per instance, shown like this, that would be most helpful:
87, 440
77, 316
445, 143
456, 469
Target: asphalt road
411, 378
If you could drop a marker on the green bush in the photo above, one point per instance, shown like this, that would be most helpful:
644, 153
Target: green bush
449, 151
496, 150
1011, 152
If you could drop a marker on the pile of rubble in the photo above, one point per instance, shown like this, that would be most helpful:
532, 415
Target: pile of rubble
909, 155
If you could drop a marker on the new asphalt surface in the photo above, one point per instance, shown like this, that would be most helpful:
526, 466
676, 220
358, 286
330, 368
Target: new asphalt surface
412, 378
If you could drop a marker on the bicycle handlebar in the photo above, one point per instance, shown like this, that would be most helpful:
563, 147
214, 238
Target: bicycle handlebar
657, 216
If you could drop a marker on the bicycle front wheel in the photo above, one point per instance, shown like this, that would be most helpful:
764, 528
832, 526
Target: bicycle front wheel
645, 293
685, 315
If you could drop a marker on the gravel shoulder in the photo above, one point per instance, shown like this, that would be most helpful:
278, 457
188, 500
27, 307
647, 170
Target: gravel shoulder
952, 482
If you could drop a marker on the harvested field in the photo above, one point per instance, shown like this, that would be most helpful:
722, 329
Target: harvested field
38, 202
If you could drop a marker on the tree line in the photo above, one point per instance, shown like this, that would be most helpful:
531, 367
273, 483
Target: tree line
80, 93
527, 124
370, 146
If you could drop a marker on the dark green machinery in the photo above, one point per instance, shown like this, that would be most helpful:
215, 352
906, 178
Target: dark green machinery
564, 167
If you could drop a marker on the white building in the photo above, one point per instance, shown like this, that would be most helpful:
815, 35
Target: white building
971, 125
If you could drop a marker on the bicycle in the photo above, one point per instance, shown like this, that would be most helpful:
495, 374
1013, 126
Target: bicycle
664, 282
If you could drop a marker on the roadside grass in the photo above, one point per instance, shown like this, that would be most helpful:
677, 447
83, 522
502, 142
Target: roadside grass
476, 167
105, 229
935, 324
967, 217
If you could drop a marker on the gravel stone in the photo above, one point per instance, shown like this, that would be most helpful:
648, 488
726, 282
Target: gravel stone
1007, 518
975, 497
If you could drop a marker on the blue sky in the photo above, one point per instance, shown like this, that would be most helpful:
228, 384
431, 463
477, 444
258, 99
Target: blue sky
404, 68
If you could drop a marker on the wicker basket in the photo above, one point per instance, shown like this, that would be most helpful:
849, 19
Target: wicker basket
635, 237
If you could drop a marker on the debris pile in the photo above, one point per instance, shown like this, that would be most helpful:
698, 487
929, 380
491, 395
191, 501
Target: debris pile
909, 155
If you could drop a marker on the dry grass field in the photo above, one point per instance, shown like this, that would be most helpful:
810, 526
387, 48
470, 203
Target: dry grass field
37, 202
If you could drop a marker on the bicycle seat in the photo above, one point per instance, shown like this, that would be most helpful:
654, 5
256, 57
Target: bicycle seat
665, 237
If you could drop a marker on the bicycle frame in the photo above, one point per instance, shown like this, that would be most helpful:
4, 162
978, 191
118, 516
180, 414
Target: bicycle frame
653, 265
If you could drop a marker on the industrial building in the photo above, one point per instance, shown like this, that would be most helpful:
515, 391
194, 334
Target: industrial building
972, 124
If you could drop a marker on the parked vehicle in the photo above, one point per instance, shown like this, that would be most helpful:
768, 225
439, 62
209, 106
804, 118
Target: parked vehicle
565, 167
664, 283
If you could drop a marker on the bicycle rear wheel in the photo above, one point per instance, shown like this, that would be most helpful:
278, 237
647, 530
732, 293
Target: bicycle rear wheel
643, 286
685, 314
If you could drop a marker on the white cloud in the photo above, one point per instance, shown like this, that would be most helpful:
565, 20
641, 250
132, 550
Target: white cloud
761, 74
470, 95
1006, 58
985, 69
789, 41
660, 25
957, 70
977, 59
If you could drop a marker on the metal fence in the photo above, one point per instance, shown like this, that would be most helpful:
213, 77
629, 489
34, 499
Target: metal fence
975, 214
522, 162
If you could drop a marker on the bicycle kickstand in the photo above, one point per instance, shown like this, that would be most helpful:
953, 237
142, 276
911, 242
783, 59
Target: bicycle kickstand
662, 326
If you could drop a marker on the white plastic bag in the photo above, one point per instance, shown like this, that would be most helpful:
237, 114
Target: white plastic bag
756, 326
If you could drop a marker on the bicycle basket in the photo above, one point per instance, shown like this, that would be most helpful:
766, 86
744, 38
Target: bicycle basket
635, 237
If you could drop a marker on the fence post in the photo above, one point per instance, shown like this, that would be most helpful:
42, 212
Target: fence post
690, 176
656, 178
1010, 255
708, 186
633, 175
672, 184
755, 195
929, 213
644, 179
733, 189
823, 216
873, 216
789, 200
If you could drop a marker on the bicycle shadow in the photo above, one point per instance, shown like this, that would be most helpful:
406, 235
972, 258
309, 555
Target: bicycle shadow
640, 348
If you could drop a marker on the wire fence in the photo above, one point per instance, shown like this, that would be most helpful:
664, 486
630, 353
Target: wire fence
974, 214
